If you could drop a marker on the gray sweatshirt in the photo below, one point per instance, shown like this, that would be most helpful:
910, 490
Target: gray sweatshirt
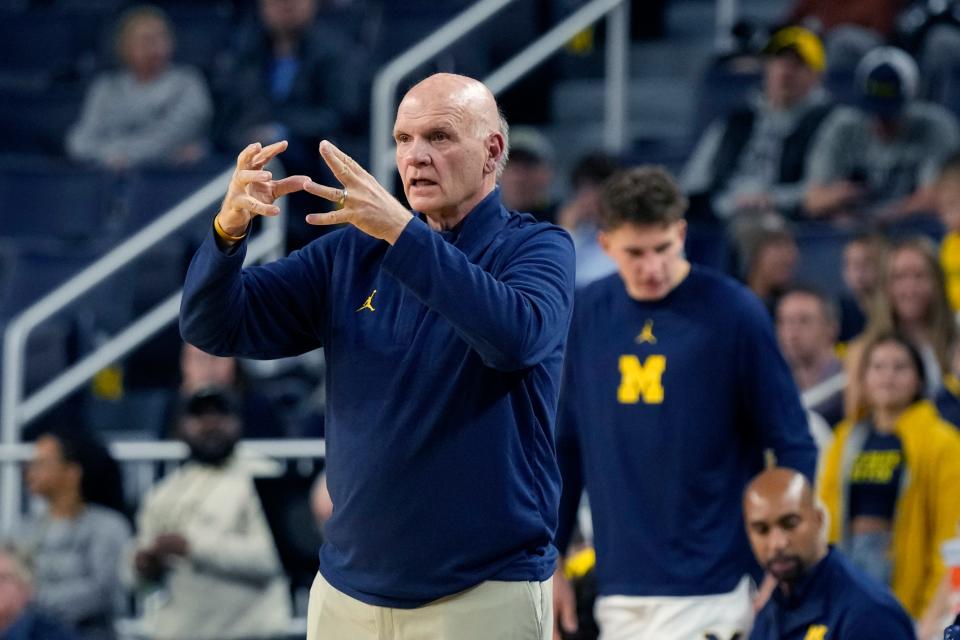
141, 122
77, 567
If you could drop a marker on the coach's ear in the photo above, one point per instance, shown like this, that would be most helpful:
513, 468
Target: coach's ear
495, 146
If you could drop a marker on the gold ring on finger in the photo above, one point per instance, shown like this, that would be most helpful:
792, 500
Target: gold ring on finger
341, 203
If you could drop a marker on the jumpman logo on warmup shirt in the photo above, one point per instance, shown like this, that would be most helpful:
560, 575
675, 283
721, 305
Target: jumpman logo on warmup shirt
646, 334
369, 303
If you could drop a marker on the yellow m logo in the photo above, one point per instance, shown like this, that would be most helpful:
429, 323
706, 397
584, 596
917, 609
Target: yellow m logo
641, 380
816, 632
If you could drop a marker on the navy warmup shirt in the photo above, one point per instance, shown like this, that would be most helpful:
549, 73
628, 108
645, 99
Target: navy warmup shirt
835, 601
665, 412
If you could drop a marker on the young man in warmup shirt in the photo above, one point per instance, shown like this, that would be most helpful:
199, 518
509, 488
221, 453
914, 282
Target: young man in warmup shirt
673, 388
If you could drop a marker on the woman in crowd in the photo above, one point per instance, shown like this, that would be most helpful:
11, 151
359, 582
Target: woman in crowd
78, 542
891, 479
912, 301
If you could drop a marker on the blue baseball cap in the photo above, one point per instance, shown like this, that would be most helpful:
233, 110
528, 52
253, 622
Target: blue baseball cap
886, 81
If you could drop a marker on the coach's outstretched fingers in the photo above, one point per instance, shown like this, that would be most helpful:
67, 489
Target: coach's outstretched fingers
268, 153
366, 204
252, 191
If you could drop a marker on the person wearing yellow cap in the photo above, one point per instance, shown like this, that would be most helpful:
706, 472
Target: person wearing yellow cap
754, 158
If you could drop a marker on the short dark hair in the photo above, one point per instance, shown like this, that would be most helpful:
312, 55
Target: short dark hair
593, 168
827, 303
644, 196
101, 480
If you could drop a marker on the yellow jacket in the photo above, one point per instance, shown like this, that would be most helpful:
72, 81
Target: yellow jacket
928, 506
950, 262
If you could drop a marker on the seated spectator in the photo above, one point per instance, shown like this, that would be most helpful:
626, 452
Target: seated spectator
948, 207
864, 258
18, 619
76, 546
880, 160
286, 79
755, 158
199, 370
891, 479
911, 301
527, 178
204, 542
771, 261
819, 593
288, 76
149, 112
947, 398
580, 215
806, 322
850, 29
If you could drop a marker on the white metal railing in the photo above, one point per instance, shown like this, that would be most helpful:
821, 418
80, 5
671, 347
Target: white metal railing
387, 80
727, 12
19, 410
175, 450
140, 458
616, 60
823, 390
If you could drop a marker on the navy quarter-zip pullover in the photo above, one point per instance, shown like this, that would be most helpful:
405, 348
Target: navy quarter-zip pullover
443, 371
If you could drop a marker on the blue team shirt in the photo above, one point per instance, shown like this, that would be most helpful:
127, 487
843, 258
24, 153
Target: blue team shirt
835, 601
875, 477
948, 406
443, 370
665, 412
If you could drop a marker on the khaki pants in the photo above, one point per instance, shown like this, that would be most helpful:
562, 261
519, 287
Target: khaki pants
490, 611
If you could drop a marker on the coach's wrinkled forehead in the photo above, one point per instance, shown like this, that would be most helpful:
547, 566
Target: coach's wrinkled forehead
463, 98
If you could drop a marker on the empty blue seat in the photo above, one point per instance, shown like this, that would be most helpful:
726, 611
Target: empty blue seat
841, 85
138, 413
36, 120
671, 153
55, 202
708, 244
35, 268
821, 256
721, 90
202, 35
38, 267
48, 41
152, 192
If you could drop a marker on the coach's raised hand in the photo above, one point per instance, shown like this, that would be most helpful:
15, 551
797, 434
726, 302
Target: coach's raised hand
252, 191
362, 201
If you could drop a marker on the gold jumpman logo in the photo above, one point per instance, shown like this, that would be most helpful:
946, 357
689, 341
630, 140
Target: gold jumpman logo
369, 303
646, 334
